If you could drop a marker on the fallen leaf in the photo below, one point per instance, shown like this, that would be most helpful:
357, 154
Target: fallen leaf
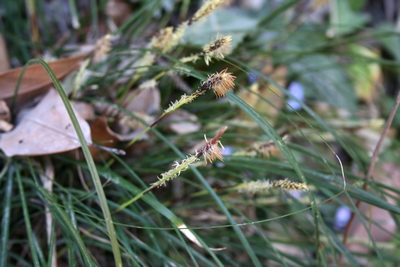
4, 111
35, 81
143, 100
102, 135
5, 126
85, 110
45, 129
119, 11
5, 63
105, 135
183, 122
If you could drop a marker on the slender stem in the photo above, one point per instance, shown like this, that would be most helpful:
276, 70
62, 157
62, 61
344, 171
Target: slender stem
6, 219
371, 167
138, 136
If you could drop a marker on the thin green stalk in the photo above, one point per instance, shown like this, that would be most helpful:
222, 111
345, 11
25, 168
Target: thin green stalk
95, 20
90, 162
27, 222
52, 257
5, 220
5, 167
138, 136
74, 14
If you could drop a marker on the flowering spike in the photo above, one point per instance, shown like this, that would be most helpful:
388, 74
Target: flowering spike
208, 7
289, 185
259, 186
211, 151
220, 82
161, 38
218, 48
102, 47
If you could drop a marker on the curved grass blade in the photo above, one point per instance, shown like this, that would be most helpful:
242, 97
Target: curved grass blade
89, 160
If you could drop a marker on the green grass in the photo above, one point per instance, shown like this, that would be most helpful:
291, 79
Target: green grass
270, 228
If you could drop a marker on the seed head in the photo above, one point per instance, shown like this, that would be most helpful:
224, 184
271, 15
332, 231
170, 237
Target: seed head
260, 186
208, 7
220, 82
161, 38
218, 48
102, 47
211, 151
175, 37
289, 185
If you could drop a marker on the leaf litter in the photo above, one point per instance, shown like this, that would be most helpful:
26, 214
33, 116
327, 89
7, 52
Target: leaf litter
45, 129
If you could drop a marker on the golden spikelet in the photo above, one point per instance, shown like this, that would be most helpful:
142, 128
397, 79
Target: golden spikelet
218, 48
289, 185
161, 38
260, 186
208, 7
175, 37
102, 47
220, 82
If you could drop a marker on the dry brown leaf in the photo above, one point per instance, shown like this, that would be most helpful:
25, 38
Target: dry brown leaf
142, 102
85, 110
5, 63
183, 122
146, 101
102, 135
118, 10
5, 126
4, 111
46, 129
35, 81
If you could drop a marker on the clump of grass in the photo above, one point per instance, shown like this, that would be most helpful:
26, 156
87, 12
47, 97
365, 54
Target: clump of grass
225, 201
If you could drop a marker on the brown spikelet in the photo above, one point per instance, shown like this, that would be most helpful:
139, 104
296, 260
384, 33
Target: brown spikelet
220, 82
211, 151
268, 149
